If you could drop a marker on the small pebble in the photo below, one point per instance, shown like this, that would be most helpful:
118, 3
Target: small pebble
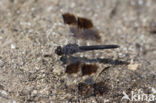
3, 92
134, 67
13, 46
57, 71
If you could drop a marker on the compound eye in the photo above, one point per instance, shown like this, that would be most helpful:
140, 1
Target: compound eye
58, 50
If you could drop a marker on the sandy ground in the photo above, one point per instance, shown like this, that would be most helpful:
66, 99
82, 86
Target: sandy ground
31, 29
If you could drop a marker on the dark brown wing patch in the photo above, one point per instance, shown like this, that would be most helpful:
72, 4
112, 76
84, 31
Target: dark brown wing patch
72, 68
84, 23
88, 69
69, 19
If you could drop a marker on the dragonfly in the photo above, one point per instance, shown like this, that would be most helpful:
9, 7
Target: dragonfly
82, 28
75, 48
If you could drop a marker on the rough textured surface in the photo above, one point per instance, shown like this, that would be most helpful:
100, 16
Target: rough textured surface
30, 29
